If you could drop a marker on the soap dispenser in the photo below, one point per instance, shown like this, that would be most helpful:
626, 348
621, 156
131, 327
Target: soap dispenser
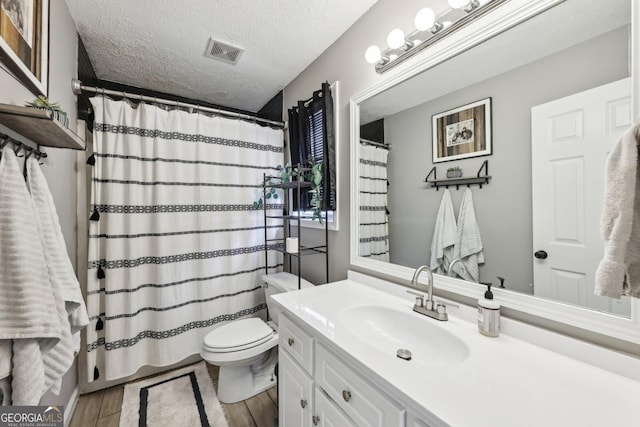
488, 314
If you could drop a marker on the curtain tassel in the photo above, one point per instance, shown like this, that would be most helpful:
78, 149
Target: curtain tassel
101, 274
95, 216
96, 373
99, 324
91, 160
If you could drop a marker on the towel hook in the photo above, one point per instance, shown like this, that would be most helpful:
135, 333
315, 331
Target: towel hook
5, 141
18, 148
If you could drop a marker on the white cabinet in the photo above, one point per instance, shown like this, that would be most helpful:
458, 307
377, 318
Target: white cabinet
316, 388
295, 393
366, 405
327, 414
297, 342
415, 421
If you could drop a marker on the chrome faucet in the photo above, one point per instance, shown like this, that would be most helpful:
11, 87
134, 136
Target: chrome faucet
452, 263
428, 307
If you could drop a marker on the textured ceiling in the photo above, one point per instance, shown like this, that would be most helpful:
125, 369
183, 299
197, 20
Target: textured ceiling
160, 44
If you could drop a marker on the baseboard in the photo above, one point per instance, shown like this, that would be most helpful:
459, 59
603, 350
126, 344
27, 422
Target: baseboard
70, 407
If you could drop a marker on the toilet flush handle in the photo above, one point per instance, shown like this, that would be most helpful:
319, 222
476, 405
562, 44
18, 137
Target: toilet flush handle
290, 341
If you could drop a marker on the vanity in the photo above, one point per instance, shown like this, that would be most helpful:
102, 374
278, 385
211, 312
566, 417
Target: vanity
339, 367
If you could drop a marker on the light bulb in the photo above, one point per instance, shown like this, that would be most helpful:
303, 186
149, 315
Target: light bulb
425, 19
395, 39
373, 54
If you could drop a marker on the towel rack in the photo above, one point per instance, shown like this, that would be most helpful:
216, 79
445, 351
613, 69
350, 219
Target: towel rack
20, 146
479, 179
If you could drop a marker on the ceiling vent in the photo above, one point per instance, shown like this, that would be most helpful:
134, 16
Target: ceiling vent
223, 52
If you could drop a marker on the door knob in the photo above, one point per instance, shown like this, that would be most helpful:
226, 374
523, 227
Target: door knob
540, 255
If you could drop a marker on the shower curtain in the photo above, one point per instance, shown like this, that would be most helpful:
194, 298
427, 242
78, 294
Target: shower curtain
374, 226
176, 246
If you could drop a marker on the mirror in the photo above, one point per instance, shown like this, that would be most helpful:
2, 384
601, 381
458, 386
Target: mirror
537, 74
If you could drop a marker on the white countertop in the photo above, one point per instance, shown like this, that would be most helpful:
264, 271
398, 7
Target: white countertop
503, 382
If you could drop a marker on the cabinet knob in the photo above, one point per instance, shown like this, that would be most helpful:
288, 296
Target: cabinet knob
315, 419
290, 341
303, 403
346, 395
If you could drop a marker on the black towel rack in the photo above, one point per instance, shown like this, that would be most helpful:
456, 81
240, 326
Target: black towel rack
479, 179
20, 146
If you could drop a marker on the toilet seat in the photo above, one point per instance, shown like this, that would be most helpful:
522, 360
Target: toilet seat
238, 335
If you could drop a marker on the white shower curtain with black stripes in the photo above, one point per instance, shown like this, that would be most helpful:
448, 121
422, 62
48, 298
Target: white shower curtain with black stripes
176, 247
374, 225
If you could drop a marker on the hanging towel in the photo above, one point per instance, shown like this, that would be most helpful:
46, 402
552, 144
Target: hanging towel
618, 273
444, 236
468, 246
72, 310
58, 262
28, 305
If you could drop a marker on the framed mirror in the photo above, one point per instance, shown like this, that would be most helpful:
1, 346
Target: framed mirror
560, 81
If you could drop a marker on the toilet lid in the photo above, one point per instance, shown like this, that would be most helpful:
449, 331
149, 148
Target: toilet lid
239, 333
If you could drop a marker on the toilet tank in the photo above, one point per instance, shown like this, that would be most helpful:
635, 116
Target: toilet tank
276, 283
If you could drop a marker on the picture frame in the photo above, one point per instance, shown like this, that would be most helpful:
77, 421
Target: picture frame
462, 132
24, 42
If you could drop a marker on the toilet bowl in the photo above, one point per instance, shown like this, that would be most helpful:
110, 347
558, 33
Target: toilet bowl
246, 349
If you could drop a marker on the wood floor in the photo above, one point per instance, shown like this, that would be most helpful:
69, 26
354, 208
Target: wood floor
102, 408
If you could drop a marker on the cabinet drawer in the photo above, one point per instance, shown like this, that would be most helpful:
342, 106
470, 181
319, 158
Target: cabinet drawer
362, 401
327, 414
297, 343
295, 393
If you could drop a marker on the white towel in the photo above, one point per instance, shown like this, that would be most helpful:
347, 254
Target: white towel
72, 311
444, 236
619, 270
60, 267
29, 308
468, 246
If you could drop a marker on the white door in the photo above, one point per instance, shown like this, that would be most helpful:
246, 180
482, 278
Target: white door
571, 138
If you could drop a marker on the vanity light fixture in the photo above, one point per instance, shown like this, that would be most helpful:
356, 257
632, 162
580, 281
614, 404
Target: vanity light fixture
466, 5
430, 28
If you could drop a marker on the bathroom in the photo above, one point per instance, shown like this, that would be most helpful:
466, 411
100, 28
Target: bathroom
589, 335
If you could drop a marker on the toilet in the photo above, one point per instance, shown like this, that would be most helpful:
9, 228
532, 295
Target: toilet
246, 349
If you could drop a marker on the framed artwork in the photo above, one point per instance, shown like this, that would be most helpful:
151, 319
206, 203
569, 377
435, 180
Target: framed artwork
462, 132
24, 42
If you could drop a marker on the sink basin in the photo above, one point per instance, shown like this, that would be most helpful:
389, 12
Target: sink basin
387, 330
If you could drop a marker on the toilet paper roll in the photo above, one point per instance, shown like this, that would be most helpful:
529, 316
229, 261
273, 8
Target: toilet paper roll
292, 245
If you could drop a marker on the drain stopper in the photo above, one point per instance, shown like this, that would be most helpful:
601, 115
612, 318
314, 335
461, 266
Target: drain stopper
403, 353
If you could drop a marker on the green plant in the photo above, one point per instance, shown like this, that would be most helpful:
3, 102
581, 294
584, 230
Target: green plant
42, 102
455, 168
311, 173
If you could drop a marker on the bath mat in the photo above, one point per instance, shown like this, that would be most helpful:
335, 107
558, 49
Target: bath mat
184, 397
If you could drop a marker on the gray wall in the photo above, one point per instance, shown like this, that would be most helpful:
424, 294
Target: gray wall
344, 61
503, 207
60, 167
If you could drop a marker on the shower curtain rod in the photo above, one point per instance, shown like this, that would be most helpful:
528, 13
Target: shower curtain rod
375, 144
78, 88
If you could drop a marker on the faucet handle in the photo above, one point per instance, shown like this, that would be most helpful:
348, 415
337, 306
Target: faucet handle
440, 302
419, 298
441, 308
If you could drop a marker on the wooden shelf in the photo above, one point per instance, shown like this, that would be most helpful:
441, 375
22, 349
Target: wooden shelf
39, 126
479, 179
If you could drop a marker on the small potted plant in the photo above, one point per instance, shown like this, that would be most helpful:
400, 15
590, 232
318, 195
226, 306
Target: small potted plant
454, 172
41, 102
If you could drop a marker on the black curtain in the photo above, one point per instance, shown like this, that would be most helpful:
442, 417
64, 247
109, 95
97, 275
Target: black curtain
311, 133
